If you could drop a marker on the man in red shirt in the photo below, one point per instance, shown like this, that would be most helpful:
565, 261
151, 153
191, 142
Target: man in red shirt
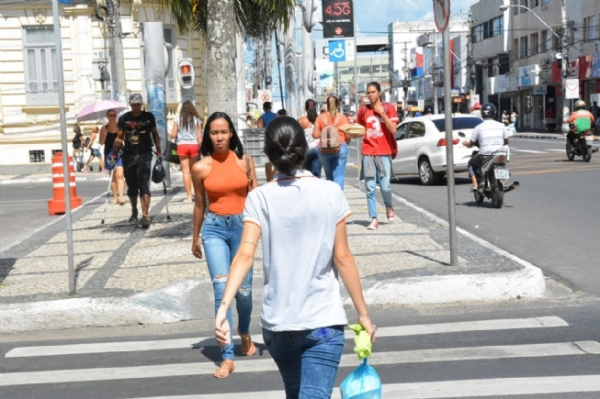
378, 149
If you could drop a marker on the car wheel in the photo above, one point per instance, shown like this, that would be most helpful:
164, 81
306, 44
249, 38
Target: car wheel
426, 174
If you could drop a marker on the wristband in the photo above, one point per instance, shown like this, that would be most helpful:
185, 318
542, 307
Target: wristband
158, 153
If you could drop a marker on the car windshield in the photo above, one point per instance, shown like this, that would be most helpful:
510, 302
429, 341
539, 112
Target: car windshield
458, 123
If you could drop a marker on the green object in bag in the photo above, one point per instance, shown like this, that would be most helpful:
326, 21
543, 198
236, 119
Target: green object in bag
171, 152
362, 341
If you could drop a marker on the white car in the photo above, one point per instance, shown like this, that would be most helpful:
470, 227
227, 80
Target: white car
422, 146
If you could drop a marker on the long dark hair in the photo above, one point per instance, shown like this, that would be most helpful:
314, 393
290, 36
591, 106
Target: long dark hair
285, 144
187, 115
235, 144
311, 114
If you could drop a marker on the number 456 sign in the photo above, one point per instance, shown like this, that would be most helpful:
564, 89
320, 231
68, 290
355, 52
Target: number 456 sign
338, 18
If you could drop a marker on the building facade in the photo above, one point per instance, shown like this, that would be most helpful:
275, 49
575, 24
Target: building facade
29, 107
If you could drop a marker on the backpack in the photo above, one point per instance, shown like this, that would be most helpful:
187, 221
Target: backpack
330, 138
392, 138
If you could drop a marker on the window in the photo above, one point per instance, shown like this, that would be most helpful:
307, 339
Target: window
498, 26
401, 131
556, 40
170, 79
37, 156
515, 49
41, 80
417, 129
546, 40
473, 35
457, 123
524, 3
534, 44
479, 33
535, 3
590, 28
524, 47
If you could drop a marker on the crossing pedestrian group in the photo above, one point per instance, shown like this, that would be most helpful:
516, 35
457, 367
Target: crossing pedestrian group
300, 218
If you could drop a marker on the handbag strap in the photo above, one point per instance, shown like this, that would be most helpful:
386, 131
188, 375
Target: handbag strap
248, 170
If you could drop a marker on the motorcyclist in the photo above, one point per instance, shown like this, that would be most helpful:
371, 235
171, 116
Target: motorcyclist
489, 136
582, 121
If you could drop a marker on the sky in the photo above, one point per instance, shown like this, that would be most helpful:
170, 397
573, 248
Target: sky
374, 16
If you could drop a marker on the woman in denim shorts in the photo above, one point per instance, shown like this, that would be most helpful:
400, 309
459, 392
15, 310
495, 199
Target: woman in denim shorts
225, 176
302, 222
187, 130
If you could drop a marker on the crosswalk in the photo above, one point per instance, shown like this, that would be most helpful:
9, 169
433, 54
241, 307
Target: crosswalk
487, 358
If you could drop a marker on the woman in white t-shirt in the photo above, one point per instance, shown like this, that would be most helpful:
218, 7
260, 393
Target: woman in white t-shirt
302, 222
187, 129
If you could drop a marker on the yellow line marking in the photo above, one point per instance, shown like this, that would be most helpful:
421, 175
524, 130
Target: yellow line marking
537, 172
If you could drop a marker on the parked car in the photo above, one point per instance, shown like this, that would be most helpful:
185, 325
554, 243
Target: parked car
422, 146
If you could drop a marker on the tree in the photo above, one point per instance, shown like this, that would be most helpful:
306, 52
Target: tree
219, 20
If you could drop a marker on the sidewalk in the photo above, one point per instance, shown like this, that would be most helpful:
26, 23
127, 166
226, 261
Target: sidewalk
127, 275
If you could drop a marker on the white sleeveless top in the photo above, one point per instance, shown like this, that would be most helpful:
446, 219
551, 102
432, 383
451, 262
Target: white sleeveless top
312, 142
187, 136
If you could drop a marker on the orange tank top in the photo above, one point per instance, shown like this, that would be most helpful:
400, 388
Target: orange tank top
226, 185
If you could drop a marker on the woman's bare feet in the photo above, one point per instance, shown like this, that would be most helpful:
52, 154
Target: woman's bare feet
248, 348
224, 369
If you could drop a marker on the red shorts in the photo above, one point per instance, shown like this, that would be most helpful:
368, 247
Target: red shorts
188, 150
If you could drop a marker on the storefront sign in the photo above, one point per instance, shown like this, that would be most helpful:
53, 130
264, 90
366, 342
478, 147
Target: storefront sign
596, 67
539, 90
529, 75
337, 19
573, 69
512, 82
500, 83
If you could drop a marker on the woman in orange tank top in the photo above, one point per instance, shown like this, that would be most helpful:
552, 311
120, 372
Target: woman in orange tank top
225, 175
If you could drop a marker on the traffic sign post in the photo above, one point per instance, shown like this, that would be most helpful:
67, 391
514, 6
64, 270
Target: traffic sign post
337, 50
441, 12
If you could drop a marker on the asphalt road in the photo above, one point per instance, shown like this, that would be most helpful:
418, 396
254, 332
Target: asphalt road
552, 220
24, 207
444, 351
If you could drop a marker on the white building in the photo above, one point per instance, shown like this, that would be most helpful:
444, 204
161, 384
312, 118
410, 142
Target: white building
29, 108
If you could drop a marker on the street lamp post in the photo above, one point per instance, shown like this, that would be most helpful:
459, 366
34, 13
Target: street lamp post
563, 50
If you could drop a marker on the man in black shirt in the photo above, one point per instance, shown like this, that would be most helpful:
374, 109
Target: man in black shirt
135, 128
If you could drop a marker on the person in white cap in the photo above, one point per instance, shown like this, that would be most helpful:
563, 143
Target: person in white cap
137, 134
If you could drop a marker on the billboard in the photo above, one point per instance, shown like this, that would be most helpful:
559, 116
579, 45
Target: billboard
338, 19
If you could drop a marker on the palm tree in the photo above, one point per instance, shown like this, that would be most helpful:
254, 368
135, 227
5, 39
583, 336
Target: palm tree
219, 20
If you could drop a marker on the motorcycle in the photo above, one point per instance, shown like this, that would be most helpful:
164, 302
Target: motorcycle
581, 145
492, 178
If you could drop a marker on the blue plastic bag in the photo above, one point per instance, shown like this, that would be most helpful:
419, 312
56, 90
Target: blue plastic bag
362, 383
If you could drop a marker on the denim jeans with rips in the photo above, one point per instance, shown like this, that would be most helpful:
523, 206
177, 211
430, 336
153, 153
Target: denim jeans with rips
335, 165
221, 237
384, 185
308, 360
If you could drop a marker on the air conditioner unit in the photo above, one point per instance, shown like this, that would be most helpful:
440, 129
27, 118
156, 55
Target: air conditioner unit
544, 62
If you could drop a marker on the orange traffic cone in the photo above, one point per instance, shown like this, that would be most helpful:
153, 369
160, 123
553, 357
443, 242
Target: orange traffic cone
56, 205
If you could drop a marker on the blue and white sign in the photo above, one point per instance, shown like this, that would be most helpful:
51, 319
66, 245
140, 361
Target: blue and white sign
337, 50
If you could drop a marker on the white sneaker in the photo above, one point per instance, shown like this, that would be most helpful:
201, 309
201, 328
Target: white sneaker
374, 225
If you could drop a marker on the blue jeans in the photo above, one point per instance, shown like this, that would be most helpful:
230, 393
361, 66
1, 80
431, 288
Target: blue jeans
307, 360
312, 162
221, 236
384, 185
335, 165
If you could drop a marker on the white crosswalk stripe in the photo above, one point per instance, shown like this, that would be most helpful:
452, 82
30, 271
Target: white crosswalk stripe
28, 373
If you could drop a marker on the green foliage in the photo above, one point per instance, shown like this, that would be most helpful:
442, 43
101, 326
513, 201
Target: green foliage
254, 18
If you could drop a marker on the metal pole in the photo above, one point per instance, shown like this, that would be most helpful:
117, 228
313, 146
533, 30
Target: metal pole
279, 71
564, 60
63, 136
356, 104
434, 80
449, 150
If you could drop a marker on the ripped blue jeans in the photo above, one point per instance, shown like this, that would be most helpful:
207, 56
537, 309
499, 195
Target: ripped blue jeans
221, 237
